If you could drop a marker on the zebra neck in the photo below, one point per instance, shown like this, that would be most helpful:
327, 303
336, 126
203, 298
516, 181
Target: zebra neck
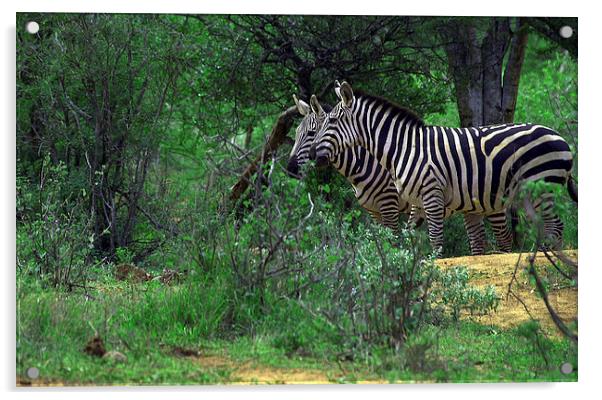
388, 135
353, 163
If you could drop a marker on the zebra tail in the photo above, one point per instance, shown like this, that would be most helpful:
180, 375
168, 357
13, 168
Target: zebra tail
514, 223
572, 188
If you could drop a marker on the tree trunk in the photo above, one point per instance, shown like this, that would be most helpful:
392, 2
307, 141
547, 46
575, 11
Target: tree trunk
464, 58
304, 83
493, 49
483, 95
249, 136
513, 70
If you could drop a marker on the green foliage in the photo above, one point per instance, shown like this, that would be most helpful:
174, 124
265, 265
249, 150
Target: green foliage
455, 293
148, 322
124, 256
548, 89
145, 324
420, 354
54, 238
455, 239
532, 332
392, 285
297, 331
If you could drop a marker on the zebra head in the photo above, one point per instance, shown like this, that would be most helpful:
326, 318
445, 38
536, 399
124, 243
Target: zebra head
339, 131
313, 115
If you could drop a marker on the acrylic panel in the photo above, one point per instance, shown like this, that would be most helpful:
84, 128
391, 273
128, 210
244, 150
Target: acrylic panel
295, 199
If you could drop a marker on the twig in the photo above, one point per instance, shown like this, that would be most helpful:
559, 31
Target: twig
542, 291
560, 271
513, 276
517, 297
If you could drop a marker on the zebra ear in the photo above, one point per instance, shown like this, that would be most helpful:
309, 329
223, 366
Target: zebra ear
302, 106
346, 94
315, 105
337, 89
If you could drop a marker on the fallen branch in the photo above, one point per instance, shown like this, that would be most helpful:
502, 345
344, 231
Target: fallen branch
277, 137
532, 270
542, 291
555, 265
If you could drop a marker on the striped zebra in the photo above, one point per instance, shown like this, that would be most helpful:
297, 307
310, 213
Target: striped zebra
476, 171
373, 185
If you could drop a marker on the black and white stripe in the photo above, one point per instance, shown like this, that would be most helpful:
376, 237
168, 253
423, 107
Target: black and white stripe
373, 185
469, 170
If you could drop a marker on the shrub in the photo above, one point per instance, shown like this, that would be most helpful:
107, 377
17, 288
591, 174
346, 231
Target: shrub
390, 287
54, 236
454, 293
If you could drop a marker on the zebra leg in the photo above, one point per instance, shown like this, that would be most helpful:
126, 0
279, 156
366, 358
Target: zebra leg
390, 219
434, 208
416, 218
476, 233
501, 231
375, 216
553, 230
552, 225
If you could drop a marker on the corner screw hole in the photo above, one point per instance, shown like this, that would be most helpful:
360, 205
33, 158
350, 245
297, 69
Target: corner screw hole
566, 32
32, 27
33, 373
566, 368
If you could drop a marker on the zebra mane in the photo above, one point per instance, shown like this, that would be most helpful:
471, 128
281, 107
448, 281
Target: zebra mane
403, 111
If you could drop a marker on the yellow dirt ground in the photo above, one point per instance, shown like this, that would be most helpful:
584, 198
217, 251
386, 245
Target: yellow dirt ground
252, 373
249, 373
497, 270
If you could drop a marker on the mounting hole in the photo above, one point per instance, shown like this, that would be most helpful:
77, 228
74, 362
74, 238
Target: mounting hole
566, 31
566, 368
33, 373
32, 27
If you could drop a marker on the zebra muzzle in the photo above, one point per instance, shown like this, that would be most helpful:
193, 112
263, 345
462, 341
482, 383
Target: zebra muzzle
321, 160
312, 153
319, 156
292, 168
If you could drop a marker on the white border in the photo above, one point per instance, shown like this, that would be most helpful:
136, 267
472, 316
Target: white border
589, 143
376, 7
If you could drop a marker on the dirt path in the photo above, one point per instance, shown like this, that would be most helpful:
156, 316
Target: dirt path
250, 372
497, 270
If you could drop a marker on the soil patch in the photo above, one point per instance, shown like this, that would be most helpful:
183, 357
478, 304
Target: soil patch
251, 372
498, 270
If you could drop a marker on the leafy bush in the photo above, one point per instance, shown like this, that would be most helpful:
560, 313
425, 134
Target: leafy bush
420, 354
454, 293
385, 288
455, 239
54, 239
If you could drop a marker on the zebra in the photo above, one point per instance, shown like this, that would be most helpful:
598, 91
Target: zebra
470, 170
373, 185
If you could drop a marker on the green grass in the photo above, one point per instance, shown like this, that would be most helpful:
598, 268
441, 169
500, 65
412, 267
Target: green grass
147, 321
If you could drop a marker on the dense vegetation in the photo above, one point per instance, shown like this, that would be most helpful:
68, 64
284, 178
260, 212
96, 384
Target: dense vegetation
131, 132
